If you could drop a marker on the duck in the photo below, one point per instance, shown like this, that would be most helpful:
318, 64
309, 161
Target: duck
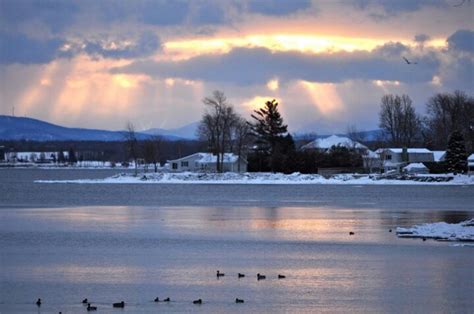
157, 299
85, 301
166, 300
424, 239
389, 230
241, 275
38, 302
198, 301
119, 304
351, 233
281, 276
91, 308
237, 300
260, 277
219, 274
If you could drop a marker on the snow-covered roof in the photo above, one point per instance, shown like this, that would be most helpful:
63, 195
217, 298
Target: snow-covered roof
333, 140
415, 165
371, 154
409, 150
207, 158
438, 155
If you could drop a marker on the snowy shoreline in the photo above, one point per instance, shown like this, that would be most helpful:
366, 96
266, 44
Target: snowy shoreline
268, 178
441, 231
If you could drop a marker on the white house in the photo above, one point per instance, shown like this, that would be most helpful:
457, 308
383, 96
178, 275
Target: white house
208, 162
416, 167
397, 158
470, 164
333, 140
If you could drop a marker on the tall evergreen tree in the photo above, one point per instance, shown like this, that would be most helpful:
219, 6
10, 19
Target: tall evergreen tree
456, 155
269, 129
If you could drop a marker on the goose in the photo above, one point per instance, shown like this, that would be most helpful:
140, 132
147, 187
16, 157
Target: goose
219, 274
85, 301
237, 300
166, 300
119, 304
91, 308
260, 277
408, 61
157, 299
241, 275
281, 276
198, 301
38, 302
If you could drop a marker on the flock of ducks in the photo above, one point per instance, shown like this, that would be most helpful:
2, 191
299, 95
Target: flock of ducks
121, 304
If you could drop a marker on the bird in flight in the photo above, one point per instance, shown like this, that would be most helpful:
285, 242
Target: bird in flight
408, 61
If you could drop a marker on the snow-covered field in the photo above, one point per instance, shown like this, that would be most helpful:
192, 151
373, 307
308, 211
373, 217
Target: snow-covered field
463, 231
271, 178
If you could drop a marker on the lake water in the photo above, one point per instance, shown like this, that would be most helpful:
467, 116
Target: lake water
66, 242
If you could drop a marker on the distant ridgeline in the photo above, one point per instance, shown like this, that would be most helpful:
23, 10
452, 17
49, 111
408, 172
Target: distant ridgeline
19, 128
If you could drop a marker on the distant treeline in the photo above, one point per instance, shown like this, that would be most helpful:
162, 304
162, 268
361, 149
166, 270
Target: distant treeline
105, 151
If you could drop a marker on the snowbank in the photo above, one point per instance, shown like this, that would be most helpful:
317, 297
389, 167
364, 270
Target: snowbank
266, 178
463, 231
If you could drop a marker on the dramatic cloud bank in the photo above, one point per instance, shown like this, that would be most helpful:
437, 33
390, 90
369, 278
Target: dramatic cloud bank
103, 63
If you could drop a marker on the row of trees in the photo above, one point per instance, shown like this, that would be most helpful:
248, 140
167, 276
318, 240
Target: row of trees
445, 114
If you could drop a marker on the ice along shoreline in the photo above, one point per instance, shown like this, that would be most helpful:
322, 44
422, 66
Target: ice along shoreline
271, 178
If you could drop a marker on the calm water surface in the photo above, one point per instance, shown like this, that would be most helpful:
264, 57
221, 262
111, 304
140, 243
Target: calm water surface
65, 242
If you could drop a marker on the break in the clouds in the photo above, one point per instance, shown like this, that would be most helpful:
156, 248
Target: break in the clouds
101, 63
248, 66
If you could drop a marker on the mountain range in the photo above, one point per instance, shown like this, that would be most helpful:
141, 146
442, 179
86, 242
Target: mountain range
22, 128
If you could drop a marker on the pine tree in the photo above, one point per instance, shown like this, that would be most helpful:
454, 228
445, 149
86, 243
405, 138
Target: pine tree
456, 155
269, 130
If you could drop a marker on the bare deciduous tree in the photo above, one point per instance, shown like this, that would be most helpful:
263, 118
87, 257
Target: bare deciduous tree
216, 124
131, 144
399, 120
152, 148
446, 113
242, 137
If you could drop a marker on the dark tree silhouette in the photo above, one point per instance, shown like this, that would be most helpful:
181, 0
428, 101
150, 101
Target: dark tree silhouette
268, 129
456, 156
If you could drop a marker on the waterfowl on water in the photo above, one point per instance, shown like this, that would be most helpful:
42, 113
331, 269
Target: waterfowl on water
241, 275
38, 302
166, 300
85, 301
237, 300
351, 233
157, 299
261, 277
119, 304
219, 274
91, 308
390, 230
198, 301
281, 276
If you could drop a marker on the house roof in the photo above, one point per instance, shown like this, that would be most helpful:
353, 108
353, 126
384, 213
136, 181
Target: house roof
415, 165
333, 140
208, 158
471, 157
409, 150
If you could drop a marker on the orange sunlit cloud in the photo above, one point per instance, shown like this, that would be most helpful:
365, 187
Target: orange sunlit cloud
307, 43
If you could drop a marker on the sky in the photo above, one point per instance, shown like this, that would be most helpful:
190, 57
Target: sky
101, 64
